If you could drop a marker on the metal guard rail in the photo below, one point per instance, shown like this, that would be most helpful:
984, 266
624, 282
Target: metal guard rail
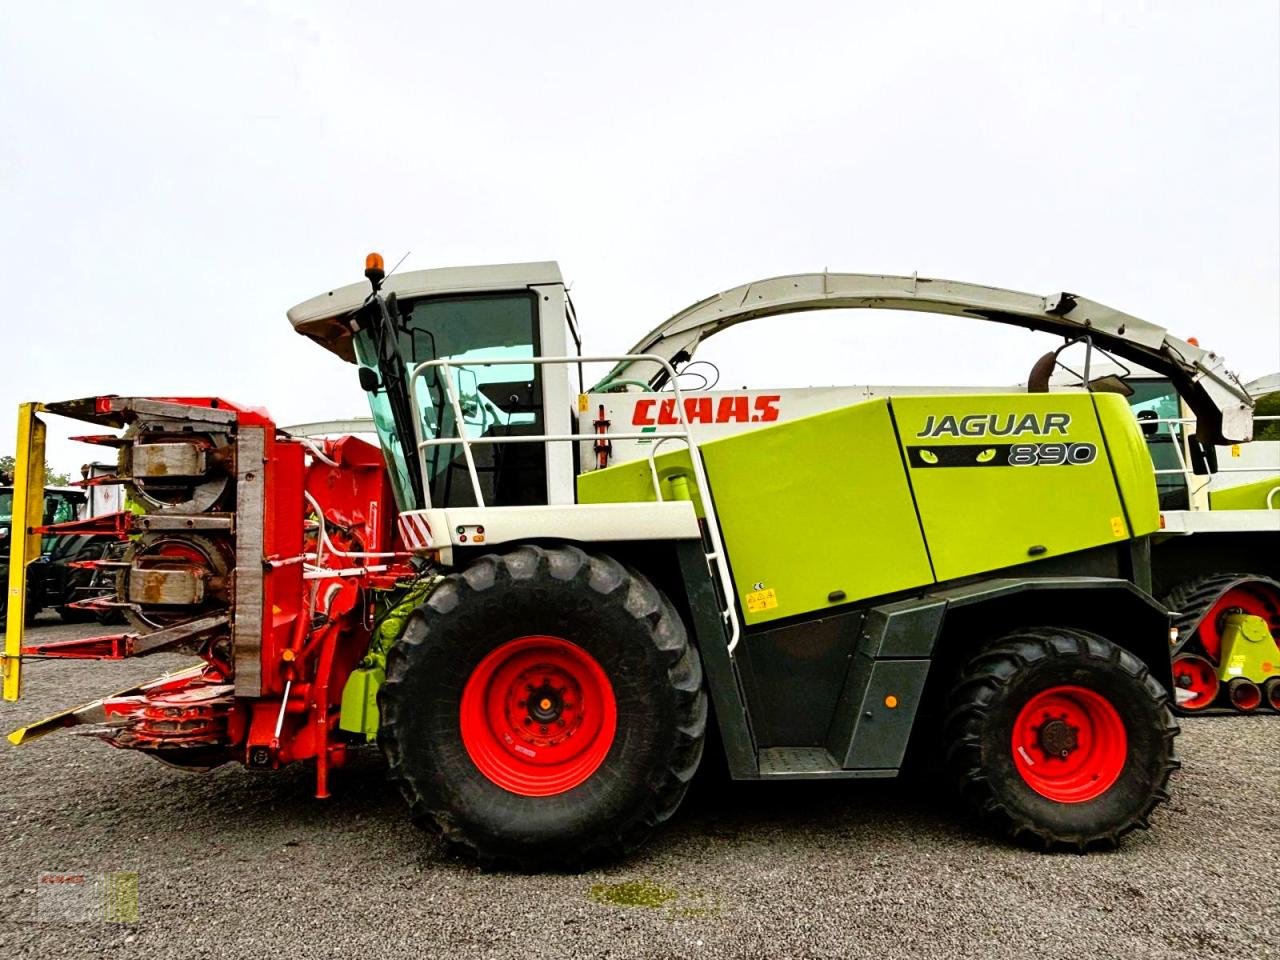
1180, 436
715, 558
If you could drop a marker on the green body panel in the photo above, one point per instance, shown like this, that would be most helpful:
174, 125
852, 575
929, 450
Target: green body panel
360, 701
817, 511
835, 508
981, 514
807, 508
1248, 650
1131, 461
1247, 496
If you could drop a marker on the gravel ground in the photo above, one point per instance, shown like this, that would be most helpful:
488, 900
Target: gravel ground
233, 864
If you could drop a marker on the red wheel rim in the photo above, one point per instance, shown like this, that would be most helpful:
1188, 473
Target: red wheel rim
1069, 744
1195, 682
538, 716
1257, 599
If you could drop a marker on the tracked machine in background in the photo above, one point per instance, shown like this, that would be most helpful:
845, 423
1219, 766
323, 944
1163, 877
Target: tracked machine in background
1216, 561
537, 628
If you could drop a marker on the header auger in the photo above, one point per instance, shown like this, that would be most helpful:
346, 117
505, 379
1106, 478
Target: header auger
535, 596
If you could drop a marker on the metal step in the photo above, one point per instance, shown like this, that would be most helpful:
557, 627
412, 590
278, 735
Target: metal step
809, 763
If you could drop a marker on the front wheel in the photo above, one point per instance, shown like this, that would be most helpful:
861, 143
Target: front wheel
1060, 736
543, 709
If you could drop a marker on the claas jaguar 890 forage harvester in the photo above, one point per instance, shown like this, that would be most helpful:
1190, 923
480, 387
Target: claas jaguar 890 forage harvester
536, 608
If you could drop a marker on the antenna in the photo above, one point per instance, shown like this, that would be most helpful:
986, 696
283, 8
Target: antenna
398, 262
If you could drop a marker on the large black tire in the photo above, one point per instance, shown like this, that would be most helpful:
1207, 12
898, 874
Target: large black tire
617, 617
985, 706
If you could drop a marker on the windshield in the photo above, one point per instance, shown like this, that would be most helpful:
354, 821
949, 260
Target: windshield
1158, 397
59, 507
496, 400
6, 506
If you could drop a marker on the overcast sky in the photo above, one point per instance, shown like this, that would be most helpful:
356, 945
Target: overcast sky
175, 176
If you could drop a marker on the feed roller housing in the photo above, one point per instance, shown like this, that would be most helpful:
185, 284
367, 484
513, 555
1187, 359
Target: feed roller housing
896, 494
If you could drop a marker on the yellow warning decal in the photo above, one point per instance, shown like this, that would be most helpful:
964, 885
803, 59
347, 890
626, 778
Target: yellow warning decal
1235, 666
759, 601
1117, 527
582, 403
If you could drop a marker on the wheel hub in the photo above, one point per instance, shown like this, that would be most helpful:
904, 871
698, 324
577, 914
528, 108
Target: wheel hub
1057, 738
544, 705
1069, 743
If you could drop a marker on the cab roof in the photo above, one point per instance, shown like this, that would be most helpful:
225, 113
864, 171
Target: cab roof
323, 317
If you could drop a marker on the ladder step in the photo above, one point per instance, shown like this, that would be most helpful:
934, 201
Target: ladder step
809, 763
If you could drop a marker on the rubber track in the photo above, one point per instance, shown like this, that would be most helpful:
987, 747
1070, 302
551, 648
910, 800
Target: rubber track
1191, 601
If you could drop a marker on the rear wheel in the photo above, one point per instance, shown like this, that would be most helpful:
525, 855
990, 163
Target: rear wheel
543, 709
1060, 736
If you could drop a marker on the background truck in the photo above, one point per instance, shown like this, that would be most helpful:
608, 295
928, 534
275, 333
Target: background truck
537, 635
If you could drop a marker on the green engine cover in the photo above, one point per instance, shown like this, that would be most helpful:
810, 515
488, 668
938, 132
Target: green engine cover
816, 512
890, 495
1002, 480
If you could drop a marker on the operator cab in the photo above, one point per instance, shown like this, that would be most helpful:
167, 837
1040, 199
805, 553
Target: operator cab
508, 312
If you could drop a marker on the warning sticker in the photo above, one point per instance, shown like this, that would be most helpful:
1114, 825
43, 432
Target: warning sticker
1235, 666
1117, 527
759, 601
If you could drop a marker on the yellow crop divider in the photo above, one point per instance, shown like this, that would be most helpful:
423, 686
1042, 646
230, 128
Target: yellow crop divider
24, 546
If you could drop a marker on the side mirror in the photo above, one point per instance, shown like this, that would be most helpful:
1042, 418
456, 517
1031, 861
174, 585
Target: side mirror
1204, 457
369, 381
1147, 420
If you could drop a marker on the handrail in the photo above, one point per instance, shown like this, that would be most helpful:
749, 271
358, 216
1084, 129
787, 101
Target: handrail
717, 555
1179, 437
